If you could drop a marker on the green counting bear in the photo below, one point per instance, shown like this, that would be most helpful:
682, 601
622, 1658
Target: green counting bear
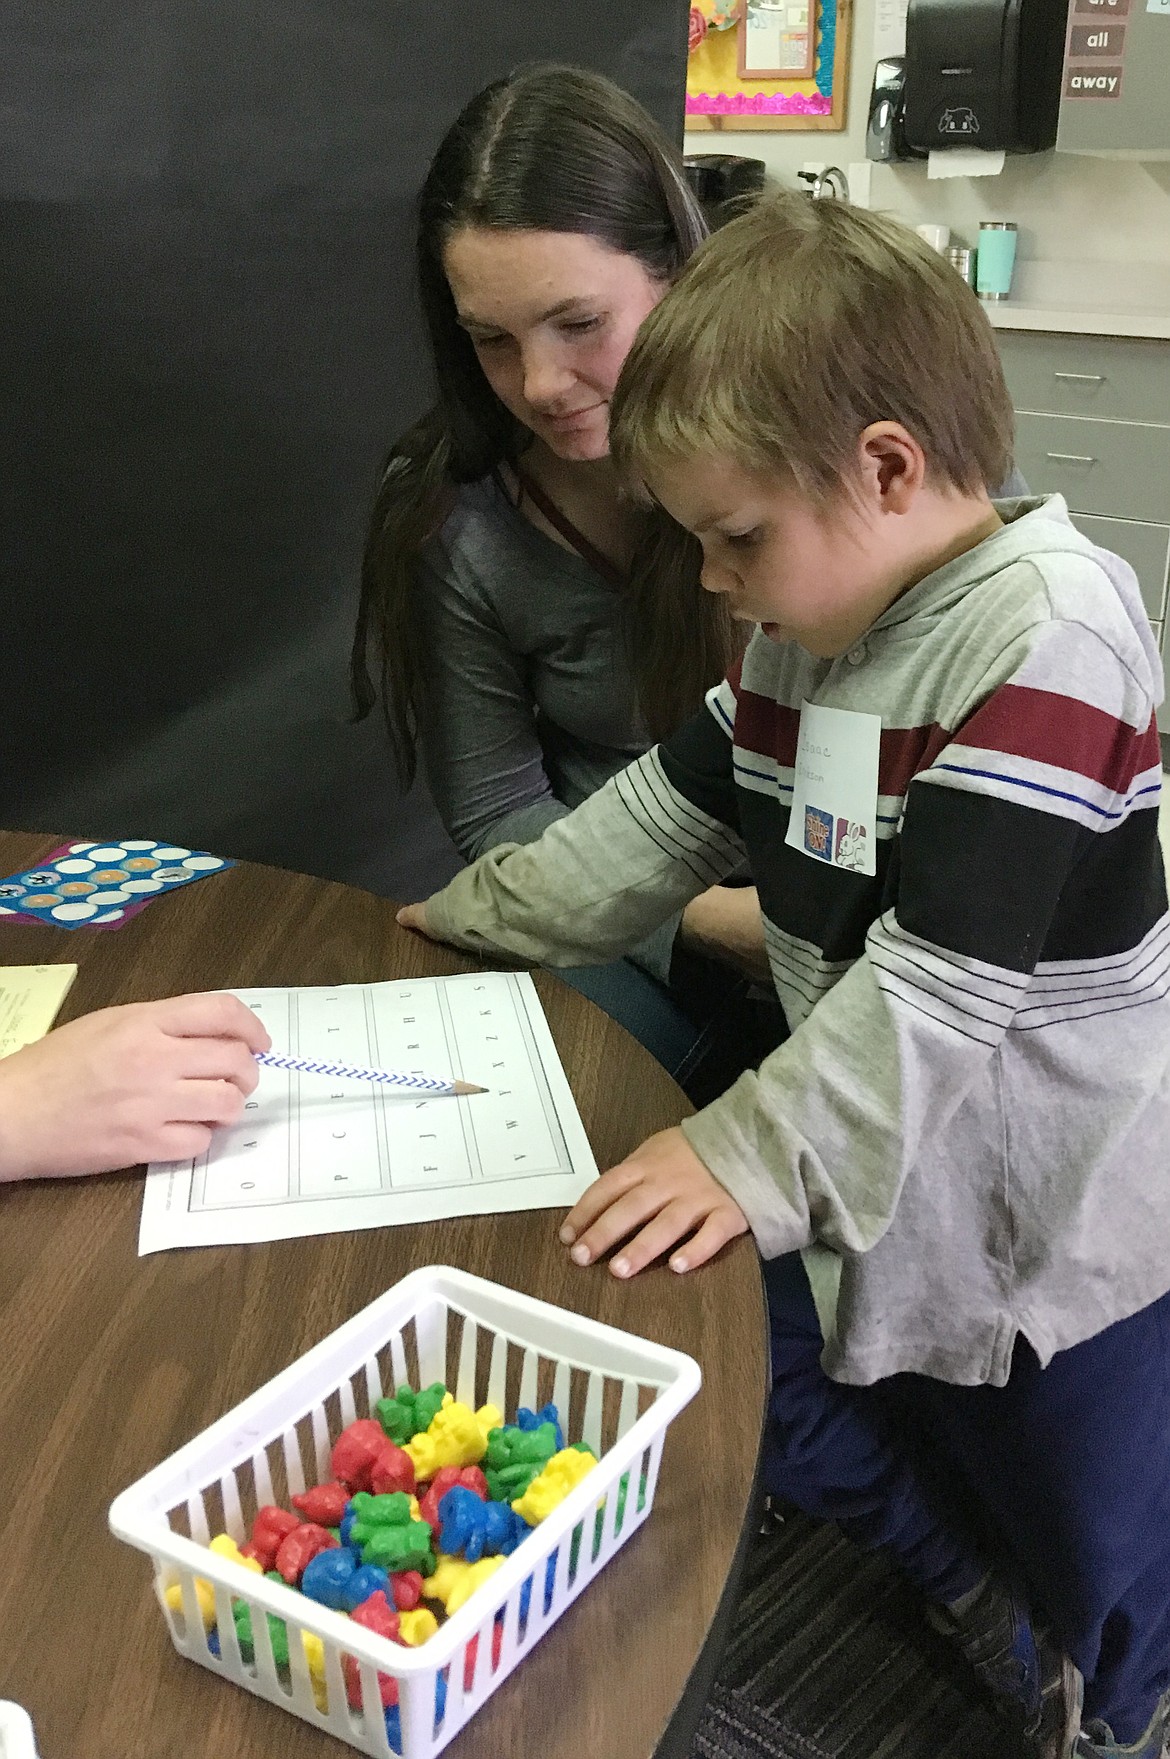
388, 1536
515, 1457
620, 1515
277, 1629
408, 1413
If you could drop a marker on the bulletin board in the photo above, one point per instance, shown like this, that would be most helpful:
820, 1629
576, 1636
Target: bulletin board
719, 98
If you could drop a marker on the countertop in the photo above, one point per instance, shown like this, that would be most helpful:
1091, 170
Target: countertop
1087, 299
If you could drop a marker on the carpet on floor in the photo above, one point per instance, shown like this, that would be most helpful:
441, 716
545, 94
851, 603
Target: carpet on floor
830, 1658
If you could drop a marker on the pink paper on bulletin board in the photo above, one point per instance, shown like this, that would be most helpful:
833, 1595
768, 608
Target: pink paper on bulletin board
717, 98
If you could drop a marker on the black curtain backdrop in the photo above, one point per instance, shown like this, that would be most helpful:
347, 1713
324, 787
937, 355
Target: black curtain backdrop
208, 337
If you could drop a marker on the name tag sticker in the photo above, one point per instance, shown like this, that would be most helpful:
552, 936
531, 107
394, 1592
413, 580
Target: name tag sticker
834, 798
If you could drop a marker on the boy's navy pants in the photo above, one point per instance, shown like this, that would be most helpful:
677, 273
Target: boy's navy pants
1063, 1473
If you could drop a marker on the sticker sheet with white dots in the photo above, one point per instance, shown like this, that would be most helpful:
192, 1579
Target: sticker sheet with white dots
101, 885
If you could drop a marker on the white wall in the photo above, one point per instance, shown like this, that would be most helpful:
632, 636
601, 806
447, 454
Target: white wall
1068, 208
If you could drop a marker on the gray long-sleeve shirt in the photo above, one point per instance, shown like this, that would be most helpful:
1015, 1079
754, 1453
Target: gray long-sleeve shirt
966, 1131
529, 704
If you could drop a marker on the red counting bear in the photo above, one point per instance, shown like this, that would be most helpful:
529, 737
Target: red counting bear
270, 1527
445, 1479
393, 1469
407, 1589
355, 1450
297, 1547
324, 1504
472, 1650
376, 1614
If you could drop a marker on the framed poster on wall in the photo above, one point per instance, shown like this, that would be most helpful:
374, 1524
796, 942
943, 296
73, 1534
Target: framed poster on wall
767, 64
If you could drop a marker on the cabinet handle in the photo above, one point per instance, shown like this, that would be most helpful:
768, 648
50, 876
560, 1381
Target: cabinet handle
1069, 458
1081, 378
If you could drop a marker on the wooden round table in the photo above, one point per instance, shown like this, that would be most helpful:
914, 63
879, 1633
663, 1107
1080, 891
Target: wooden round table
108, 1362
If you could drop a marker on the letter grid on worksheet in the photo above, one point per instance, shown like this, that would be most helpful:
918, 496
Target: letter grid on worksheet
318, 1154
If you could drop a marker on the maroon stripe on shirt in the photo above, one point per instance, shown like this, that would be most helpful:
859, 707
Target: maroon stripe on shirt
766, 727
1047, 727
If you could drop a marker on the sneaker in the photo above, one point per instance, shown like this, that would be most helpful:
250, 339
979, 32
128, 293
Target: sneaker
1097, 1740
1033, 1683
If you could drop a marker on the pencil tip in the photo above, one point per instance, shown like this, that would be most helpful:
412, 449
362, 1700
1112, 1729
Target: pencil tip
463, 1087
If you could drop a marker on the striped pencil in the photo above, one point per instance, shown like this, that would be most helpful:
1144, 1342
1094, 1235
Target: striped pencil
359, 1072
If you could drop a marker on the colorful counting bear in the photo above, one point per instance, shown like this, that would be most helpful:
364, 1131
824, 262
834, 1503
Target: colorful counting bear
389, 1533
268, 1529
329, 1578
515, 1456
299, 1547
445, 1479
529, 1420
454, 1581
313, 1647
375, 1614
415, 1626
457, 1436
409, 1413
561, 1475
365, 1458
223, 1546
477, 1528
472, 1650
394, 1723
324, 1505
550, 1576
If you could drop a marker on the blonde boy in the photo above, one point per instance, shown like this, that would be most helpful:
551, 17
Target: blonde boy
939, 756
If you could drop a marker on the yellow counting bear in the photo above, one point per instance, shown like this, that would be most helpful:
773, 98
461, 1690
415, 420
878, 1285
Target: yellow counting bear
315, 1656
454, 1580
457, 1436
553, 1483
224, 1546
415, 1626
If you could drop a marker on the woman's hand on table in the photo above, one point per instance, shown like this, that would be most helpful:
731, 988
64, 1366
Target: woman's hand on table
149, 1081
661, 1195
725, 924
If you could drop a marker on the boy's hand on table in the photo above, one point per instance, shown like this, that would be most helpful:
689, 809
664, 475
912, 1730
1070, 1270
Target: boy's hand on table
661, 1195
125, 1085
725, 924
415, 916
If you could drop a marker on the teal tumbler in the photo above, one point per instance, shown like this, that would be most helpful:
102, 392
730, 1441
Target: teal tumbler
996, 259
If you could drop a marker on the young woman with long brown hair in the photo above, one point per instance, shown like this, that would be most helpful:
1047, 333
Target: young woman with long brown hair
532, 630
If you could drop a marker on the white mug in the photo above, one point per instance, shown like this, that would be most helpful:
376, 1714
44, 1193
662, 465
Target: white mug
938, 237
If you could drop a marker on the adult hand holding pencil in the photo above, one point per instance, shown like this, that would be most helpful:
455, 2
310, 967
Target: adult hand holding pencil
438, 1085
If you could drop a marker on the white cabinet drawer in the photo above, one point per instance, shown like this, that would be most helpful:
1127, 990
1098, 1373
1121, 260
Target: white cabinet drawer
1111, 377
1110, 467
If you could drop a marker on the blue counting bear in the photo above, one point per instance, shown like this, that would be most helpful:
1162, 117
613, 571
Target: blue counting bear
477, 1528
327, 1577
367, 1579
550, 1574
526, 1419
347, 1521
394, 1721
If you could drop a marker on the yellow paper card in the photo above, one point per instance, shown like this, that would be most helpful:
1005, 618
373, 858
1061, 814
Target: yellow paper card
30, 996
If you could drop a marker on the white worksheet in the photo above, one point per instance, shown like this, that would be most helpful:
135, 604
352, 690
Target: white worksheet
315, 1155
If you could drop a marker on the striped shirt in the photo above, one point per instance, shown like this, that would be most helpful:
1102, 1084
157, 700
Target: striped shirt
968, 1131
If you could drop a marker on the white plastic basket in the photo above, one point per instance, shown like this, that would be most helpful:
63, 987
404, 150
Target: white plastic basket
16, 1732
488, 1344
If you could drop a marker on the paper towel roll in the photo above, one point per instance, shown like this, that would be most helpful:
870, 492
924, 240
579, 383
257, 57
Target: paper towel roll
964, 162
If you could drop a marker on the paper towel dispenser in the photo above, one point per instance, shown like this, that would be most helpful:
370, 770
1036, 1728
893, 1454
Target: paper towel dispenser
976, 73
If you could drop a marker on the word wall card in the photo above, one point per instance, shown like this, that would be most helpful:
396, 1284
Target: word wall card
320, 1154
